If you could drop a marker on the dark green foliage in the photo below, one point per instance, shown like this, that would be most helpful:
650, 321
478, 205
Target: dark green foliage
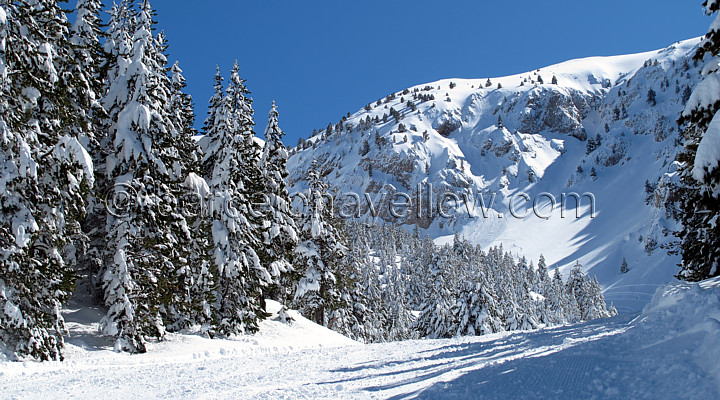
45, 174
698, 206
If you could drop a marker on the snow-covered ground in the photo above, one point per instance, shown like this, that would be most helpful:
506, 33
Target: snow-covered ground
668, 351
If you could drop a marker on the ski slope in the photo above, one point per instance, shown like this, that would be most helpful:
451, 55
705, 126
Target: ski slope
668, 351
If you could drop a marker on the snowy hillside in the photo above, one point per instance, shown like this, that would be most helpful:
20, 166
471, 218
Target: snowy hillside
606, 358
599, 125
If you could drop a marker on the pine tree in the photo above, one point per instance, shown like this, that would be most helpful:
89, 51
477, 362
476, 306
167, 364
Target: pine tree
438, 318
544, 280
182, 307
181, 112
280, 235
561, 307
320, 251
358, 314
210, 148
364, 148
146, 247
587, 293
699, 188
46, 174
592, 304
624, 266
203, 271
232, 157
85, 66
89, 59
576, 279
477, 309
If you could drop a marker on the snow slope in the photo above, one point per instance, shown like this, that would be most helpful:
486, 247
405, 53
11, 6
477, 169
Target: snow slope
669, 351
456, 144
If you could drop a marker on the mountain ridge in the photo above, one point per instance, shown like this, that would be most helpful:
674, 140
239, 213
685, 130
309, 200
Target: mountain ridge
600, 125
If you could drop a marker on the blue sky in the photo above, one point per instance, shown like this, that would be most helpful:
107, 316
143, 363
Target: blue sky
321, 59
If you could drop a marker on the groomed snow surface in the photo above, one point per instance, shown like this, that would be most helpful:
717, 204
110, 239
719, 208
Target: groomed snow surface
669, 351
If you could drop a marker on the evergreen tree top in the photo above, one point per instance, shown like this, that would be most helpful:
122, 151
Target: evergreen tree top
273, 130
274, 152
239, 95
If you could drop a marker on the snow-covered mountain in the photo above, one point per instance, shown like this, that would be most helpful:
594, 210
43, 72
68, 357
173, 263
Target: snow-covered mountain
599, 125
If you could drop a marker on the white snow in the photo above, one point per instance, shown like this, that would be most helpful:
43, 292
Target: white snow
668, 351
705, 94
70, 149
708, 151
537, 151
13, 312
197, 185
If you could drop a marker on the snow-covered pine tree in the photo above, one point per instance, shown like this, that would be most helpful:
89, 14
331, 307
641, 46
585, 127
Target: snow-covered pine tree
182, 112
320, 251
117, 49
593, 304
543, 286
183, 307
477, 309
554, 304
543, 276
46, 174
699, 188
191, 302
203, 269
574, 290
377, 288
88, 60
209, 148
145, 252
355, 318
231, 155
279, 237
437, 318
417, 265
588, 295
398, 318
84, 72
114, 64
513, 303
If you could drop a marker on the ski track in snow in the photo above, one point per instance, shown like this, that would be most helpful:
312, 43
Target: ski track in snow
600, 359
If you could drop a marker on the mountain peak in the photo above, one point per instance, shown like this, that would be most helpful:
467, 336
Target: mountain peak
582, 126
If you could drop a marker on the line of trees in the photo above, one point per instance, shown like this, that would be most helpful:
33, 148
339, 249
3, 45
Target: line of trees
103, 185
93, 119
456, 289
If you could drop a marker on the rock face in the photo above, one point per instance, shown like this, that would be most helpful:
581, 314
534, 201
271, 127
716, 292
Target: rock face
449, 147
555, 110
